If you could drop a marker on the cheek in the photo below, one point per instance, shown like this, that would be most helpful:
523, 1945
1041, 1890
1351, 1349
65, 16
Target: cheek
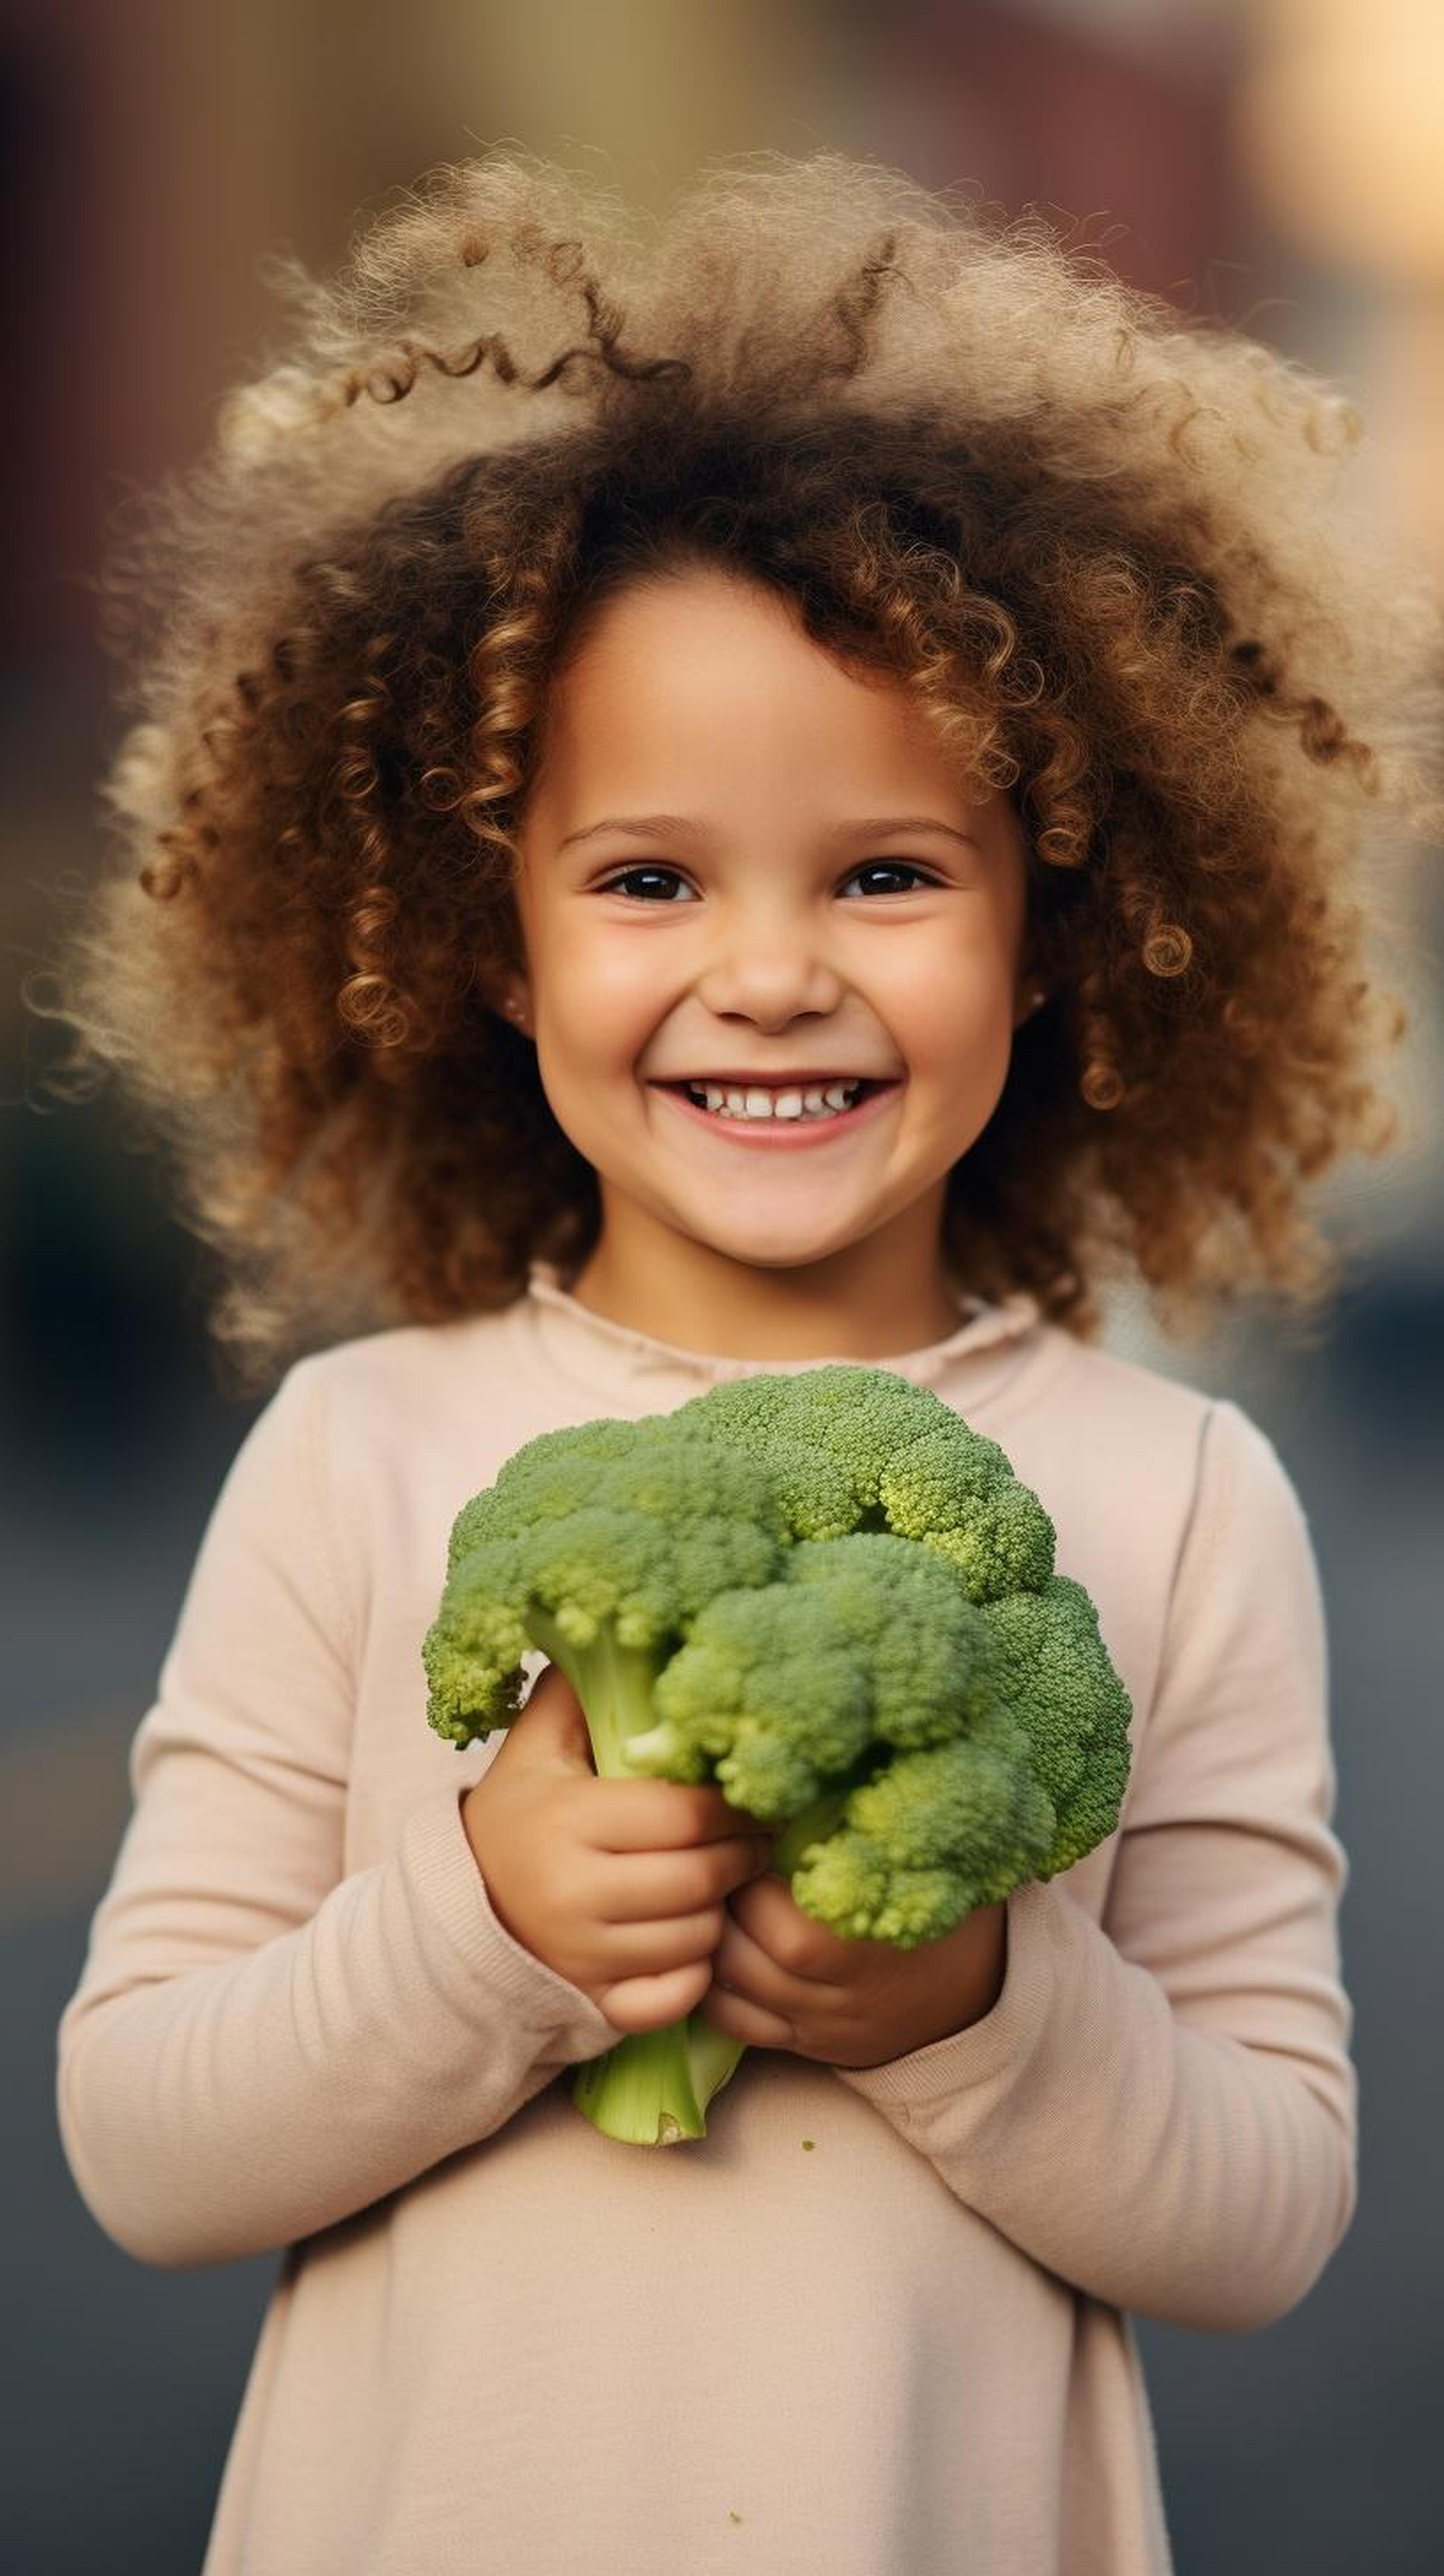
582, 973
950, 1021
612, 992
599, 1013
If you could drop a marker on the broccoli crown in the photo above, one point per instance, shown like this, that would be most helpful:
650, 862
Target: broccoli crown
824, 1591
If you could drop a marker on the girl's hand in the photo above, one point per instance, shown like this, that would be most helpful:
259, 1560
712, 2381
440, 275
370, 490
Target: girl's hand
619, 1886
780, 1980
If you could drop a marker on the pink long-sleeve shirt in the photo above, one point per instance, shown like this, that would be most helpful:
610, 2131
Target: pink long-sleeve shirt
501, 2342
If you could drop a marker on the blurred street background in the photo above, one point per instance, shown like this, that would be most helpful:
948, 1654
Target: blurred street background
1278, 163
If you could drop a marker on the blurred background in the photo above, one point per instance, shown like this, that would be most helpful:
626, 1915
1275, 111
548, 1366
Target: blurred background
1278, 163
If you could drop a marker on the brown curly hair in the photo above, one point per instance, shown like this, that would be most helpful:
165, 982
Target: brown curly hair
1103, 548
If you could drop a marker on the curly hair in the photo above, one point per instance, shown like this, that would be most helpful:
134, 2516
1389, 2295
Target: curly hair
1102, 546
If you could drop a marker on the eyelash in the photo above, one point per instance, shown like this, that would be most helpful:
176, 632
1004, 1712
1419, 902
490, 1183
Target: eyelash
653, 868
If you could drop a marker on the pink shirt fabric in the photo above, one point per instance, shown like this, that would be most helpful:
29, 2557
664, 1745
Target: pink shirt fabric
877, 2323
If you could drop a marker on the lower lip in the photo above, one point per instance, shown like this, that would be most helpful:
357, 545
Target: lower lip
783, 1135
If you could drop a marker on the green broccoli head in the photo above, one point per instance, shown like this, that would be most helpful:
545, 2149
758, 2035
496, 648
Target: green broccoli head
824, 1592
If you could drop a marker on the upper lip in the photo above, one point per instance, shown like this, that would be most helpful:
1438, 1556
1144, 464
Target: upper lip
778, 1081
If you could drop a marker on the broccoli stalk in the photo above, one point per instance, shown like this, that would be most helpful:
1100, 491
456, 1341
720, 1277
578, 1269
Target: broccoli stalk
612, 1681
653, 2088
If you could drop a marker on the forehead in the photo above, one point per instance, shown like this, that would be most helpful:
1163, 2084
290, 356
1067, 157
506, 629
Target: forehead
671, 672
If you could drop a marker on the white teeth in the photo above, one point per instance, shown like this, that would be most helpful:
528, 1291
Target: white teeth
816, 1103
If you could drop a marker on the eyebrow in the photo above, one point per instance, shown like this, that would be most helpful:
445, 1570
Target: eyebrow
664, 827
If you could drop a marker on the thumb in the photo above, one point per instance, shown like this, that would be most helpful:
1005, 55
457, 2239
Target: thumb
555, 1722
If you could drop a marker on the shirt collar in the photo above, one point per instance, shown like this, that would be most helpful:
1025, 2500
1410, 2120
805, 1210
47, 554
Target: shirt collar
577, 1335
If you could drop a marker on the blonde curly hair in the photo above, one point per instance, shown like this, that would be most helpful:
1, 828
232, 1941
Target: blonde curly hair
1102, 547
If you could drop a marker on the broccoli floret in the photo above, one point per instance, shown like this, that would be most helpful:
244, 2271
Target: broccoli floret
957, 1493
824, 1592
929, 1655
602, 1560
1053, 1673
824, 1434
933, 1836
767, 1696
538, 1482
859, 1448
865, 1643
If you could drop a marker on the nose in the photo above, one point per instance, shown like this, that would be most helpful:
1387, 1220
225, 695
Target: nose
768, 968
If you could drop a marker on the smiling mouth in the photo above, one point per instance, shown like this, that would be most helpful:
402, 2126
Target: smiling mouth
808, 1117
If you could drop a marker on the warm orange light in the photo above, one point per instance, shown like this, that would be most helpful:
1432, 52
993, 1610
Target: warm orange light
1340, 128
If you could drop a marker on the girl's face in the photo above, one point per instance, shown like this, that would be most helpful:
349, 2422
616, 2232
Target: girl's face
745, 865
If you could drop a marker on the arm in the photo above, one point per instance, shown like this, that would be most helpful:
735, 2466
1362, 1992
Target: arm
258, 2047
1162, 2110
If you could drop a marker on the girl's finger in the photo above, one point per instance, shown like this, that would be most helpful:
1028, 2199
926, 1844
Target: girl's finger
755, 1978
653, 2003
660, 1815
639, 1949
736, 2018
798, 1950
637, 1888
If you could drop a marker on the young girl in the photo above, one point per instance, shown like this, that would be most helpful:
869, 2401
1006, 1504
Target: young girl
712, 796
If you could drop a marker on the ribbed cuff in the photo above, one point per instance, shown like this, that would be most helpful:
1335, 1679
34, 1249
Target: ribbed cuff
443, 1868
1005, 2038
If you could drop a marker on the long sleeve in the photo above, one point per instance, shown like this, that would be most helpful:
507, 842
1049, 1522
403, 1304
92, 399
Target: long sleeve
259, 2047
1161, 2108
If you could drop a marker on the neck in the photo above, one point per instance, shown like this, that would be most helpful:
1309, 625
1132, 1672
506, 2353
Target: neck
870, 1301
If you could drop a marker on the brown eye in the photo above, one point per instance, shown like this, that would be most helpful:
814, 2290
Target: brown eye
617, 884
892, 868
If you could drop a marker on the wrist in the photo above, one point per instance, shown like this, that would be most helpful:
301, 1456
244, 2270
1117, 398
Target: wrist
992, 1966
980, 1989
987, 1969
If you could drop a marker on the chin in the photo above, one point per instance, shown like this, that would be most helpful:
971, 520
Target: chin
765, 1253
